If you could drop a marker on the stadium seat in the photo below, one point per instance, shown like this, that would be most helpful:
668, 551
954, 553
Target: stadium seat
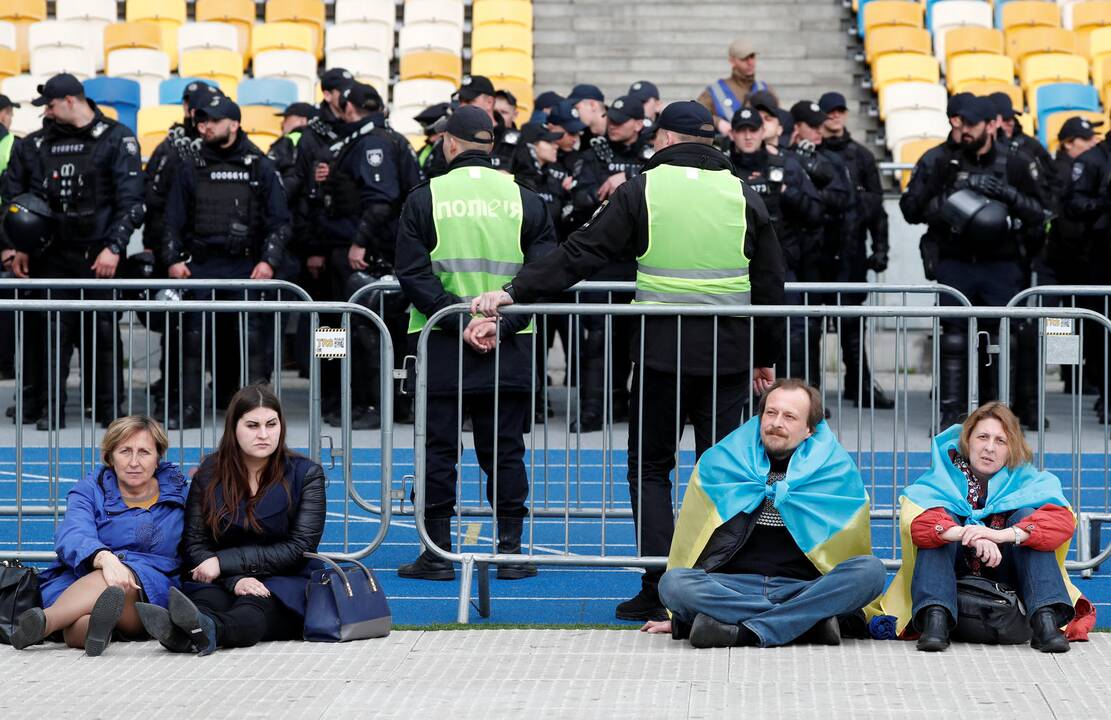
21, 88
1019, 13
240, 13
57, 34
1087, 16
978, 67
880, 41
154, 122
1047, 133
501, 66
1055, 97
10, 66
434, 65
359, 36
292, 65
309, 13
147, 67
367, 64
7, 36
1039, 69
434, 12
910, 151
958, 13
207, 36
518, 39
223, 66
1025, 41
523, 91
261, 124
110, 112
368, 12
421, 93
170, 90
50, 60
912, 96
985, 88
960, 40
22, 13
168, 15
1101, 72
131, 35
275, 92
903, 67
94, 15
120, 94
283, 36
888, 12
427, 37
913, 125
501, 12
26, 120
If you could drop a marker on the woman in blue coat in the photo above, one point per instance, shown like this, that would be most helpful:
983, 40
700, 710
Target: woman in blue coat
118, 543
254, 509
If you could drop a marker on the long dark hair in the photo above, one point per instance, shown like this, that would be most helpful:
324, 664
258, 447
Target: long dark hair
229, 472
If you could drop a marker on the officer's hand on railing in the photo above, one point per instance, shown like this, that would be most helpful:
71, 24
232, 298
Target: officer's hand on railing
315, 265
179, 271
488, 302
21, 265
762, 379
105, 264
262, 271
654, 627
481, 334
356, 257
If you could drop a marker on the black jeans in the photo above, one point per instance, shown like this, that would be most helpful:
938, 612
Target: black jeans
244, 620
652, 436
444, 441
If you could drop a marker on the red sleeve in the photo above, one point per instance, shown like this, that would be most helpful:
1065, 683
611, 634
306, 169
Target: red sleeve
1049, 526
926, 529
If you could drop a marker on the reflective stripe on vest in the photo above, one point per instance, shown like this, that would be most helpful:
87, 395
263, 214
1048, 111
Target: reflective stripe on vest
696, 233
478, 214
725, 101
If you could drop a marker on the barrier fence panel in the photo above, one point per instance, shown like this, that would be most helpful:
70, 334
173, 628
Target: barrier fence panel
136, 329
578, 511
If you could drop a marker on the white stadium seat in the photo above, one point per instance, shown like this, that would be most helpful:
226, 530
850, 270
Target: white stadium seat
26, 120
367, 65
359, 36
434, 12
59, 34
914, 124
207, 36
294, 65
50, 60
427, 37
380, 12
421, 92
914, 96
949, 14
147, 67
21, 88
94, 15
7, 36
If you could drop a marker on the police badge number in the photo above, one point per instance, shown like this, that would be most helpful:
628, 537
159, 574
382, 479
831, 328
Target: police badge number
374, 157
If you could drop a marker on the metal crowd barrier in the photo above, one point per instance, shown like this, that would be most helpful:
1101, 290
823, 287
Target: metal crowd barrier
611, 516
53, 312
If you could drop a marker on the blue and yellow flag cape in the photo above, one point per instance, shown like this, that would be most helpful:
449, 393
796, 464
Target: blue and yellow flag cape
822, 499
944, 486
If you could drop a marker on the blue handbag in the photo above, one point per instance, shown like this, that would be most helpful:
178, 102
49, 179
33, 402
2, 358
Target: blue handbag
344, 604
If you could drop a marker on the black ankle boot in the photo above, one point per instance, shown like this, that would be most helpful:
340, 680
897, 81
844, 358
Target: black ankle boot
934, 625
428, 565
509, 543
1045, 634
645, 605
706, 632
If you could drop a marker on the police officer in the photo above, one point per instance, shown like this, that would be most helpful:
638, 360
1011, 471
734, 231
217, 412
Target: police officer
448, 251
226, 217
975, 199
505, 105
649, 96
7, 252
695, 250
543, 104
537, 155
590, 103
478, 91
564, 118
87, 167
429, 120
354, 225
1010, 135
853, 260
283, 151
333, 83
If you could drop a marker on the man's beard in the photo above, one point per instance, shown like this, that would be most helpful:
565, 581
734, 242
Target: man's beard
217, 141
970, 145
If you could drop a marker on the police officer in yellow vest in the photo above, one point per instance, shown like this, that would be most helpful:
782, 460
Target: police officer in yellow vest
700, 236
466, 232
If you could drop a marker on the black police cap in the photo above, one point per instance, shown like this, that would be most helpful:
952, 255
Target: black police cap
624, 109
547, 100
299, 109
475, 85
471, 124
507, 96
763, 100
584, 91
431, 114
1077, 127
1003, 106
336, 79
747, 118
6, 102
58, 87
953, 108
644, 90
219, 107
808, 113
565, 115
975, 110
363, 96
687, 118
536, 132
832, 101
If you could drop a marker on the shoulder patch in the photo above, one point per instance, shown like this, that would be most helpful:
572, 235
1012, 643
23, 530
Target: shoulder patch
1077, 171
374, 157
647, 153
1033, 168
131, 146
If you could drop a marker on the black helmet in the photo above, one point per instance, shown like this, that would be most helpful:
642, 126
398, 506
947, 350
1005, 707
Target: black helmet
377, 301
27, 223
973, 216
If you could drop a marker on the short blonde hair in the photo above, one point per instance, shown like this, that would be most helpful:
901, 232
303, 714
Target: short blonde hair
123, 428
1017, 447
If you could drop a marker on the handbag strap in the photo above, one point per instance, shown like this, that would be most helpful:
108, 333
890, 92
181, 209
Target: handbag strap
339, 571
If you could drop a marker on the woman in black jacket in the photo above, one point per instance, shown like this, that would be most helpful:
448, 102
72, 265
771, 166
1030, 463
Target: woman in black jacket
254, 509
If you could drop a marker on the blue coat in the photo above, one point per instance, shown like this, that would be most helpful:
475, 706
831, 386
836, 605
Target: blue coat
98, 519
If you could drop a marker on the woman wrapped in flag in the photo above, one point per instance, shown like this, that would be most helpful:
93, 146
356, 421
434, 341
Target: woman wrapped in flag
983, 509
773, 542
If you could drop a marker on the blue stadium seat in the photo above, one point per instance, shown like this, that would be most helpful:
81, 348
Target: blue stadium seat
119, 93
274, 92
170, 89
1065, 96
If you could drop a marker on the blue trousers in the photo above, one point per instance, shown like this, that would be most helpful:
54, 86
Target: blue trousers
1034, 574
776, 609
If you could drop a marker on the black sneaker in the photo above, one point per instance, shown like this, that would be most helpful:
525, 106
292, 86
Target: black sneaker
587, 422
645, 605
366, 419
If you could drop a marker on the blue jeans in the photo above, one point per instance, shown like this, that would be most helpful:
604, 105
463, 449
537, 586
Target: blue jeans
1034, 574
776, 609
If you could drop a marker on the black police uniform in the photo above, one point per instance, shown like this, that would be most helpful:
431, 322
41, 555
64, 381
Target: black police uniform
988, 270
92, 179
225, 214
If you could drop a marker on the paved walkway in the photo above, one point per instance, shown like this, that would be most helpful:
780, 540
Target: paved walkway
491, 674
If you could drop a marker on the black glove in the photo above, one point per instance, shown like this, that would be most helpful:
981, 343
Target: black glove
929, 253
994, 188
877, 261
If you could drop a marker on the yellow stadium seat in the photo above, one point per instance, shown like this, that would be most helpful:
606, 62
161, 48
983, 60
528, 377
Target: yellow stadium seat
240, 13
983, 89
910, 151
894, 39
157, 119
1091, 14
1040, 69
903, 67
223, 66
132, 35
168, 15
435, 65
260, 119
501, 12
282, 36
500, 65
978, 67
502, 37
1099, 46
306, 12
1023, 41
892, 12
109, 111
10, 65
1031, 12
22, 14
1101, 72
1054, 121
524, 94
971, 39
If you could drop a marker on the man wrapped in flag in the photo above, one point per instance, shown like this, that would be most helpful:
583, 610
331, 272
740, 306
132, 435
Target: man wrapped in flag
773, 541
